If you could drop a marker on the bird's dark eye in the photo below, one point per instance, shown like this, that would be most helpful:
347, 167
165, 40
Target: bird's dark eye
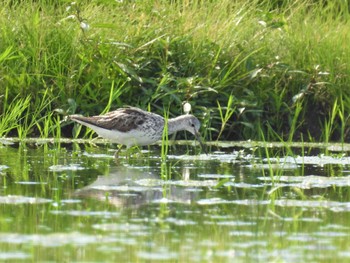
192, 124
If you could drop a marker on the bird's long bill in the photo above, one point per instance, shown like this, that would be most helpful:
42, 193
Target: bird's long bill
198, 137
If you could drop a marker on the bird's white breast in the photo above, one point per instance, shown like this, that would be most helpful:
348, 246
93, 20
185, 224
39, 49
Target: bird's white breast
130, 138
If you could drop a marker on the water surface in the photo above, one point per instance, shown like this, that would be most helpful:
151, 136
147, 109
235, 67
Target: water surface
72, 202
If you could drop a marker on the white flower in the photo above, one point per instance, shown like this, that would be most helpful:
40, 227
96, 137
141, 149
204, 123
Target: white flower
84, 26
187, 108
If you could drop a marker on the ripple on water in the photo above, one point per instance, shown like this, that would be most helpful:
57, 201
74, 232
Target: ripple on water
310, 181
222, 157
332, 205
217, 201
18, 199
180, 222
62, 168
316, 160
245, 233
232, 223
335, 227
55, 239
98, 155
160, 253
184, 183
30, 183
163, 200
273, 166
302, 219
193, 183
215, 176
212, 201
344, 254
125, 188
243, 185
302, 237
14, 255
121, 227
109, 249
104, 214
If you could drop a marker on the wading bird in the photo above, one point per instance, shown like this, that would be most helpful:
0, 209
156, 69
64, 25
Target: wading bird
132, 126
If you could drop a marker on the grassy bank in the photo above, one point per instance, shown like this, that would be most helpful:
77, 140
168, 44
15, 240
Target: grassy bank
272, 70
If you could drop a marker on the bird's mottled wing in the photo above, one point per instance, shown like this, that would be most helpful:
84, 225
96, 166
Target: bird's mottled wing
124, 119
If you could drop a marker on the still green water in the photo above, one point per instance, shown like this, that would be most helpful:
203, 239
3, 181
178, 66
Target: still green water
70, 202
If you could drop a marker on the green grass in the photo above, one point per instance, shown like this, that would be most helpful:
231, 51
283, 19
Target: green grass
165, 144
271, 59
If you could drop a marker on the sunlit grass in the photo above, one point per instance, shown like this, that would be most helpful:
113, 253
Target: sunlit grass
13, 114
274, 59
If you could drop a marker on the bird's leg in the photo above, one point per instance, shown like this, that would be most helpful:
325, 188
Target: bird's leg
135, 151
129, 152
116, 154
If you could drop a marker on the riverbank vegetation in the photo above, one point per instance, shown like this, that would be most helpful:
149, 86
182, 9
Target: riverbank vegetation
268, 69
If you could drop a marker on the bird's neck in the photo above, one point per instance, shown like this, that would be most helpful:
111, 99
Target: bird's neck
176, 124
